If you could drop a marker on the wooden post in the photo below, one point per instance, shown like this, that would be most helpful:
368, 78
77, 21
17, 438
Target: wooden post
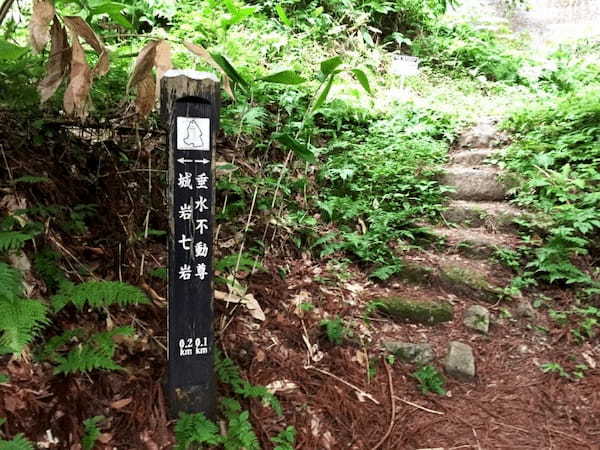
190, 103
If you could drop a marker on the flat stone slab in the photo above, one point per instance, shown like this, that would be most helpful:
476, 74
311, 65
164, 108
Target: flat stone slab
415, 311
482, 135
477, 318
472, 158
493, 216
419, 354
476, 242
469, 183
460, 362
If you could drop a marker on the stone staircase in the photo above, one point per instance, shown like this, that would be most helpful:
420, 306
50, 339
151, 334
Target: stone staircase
478, 222
478, 202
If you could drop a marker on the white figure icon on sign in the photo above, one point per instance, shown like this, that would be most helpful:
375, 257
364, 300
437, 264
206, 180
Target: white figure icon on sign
193, 133
193, 136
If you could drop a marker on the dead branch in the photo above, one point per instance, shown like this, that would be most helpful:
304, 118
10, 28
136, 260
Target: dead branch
393, 415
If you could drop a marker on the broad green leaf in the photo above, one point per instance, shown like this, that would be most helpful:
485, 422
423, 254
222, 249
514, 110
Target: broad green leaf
299, 149
329, 65
229, 70
362, 79
9, 51
284, 77
114, 11
324, 93
282, 15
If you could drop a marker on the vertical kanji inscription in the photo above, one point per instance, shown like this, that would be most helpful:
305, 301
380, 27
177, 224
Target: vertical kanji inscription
193, 123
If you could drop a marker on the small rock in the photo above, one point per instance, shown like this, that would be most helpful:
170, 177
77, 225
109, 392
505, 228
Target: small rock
524, 309
460, 362
477, 318
419, 354
523, 349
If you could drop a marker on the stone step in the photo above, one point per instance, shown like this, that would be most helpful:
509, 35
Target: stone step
456, 274
475, 242
493, 216
483, 135
471, 183
472, 157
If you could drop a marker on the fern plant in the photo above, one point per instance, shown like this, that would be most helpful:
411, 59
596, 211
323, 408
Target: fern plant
17, 443
89, 353
91, 432
97, 294
228, 373
21, 319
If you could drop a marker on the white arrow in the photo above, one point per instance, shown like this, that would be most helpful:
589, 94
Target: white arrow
183, 161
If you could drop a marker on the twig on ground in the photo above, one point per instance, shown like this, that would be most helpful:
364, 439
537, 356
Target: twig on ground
350, 385
522, 430
393, 416
420, 407
565, 435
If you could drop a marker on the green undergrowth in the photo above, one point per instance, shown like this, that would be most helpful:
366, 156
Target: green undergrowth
473, 50
379, 183
556, 160
193, 430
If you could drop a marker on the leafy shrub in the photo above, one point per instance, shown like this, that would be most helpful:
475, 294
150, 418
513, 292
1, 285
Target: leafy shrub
465, 49
394, 19
556, 161
385, 178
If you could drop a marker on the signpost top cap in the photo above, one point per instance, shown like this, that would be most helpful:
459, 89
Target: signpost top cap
189, 73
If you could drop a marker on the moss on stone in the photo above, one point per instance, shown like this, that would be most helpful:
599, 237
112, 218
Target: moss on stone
413, 311
464, 281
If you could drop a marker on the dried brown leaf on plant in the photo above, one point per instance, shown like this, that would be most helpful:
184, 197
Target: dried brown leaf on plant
203, 53
146, 95
143, 64
58, 61
80, 81
80, 27
162, 59
42, 13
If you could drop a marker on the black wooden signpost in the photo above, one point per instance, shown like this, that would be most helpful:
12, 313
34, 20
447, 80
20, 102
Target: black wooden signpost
190, 105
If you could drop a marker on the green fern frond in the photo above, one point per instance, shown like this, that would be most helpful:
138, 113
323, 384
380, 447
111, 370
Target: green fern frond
13, 240
20, 321
228, 373
195, 429
241, 434
91, 432
55, 343
17, 443
10, 282
96, 353
97, 294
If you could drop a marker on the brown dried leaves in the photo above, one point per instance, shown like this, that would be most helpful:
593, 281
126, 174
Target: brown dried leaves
79, 27
64, 57
154, 54
41, 16
80, 82
58, 62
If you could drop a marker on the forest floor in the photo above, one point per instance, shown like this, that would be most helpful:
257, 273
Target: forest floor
336, 396
354, 394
